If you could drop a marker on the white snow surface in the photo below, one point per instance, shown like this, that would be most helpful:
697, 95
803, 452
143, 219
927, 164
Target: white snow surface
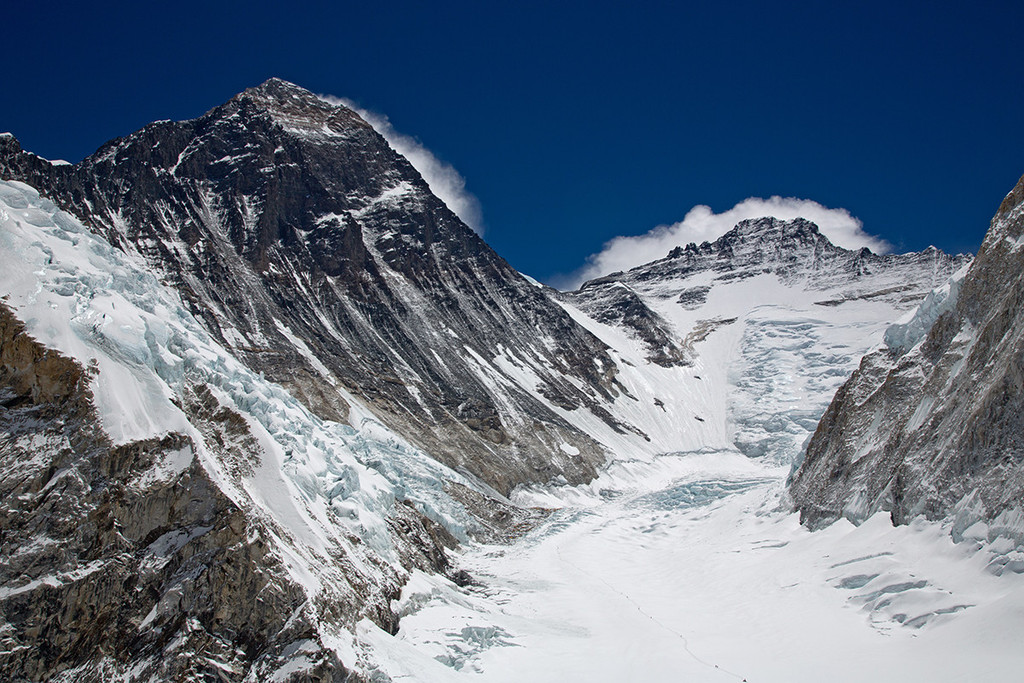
687, 570
677, 564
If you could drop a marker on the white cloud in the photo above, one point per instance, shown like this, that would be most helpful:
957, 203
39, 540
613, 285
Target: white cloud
443, 180
702, 224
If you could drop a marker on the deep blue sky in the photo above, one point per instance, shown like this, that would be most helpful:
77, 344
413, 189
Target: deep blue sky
576, 122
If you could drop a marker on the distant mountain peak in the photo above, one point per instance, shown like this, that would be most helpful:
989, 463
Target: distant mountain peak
794, 251
765, 230
770, 227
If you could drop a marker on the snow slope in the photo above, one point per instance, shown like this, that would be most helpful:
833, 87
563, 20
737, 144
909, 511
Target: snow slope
767, 322
323, 493
686, 570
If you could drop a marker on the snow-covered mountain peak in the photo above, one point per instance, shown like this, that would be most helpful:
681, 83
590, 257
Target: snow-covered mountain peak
791, 247
793, 252
771, 309
318, 254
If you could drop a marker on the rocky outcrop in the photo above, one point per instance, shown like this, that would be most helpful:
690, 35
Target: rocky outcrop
619, 306
931, 425
130, 560
318, 255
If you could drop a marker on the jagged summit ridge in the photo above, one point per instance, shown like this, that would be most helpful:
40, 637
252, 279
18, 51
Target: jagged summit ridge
793, 249
787, 234
759, 241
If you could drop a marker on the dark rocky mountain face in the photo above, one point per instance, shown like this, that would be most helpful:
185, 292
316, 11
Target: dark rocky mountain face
112, 573
932, 424
319, 256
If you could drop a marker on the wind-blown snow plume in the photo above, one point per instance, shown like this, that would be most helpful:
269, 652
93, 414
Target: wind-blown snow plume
701, 223
444, 181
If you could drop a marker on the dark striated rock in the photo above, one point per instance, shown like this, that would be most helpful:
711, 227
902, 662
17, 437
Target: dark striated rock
130, 560
318, 254
621, 307
932, 425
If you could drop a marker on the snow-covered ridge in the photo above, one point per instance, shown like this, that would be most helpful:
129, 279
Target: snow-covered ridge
903, 336
324, 490
771, 316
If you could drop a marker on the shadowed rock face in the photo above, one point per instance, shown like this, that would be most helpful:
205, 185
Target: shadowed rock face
280, 217
111, 568
934, 425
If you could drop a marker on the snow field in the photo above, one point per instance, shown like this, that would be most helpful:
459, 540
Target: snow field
706, 580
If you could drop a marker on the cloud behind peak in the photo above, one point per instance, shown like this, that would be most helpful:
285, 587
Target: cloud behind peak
442, 178
701, 224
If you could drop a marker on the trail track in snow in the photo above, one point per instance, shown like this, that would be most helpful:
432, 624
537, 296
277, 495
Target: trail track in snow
702, 578
625, 596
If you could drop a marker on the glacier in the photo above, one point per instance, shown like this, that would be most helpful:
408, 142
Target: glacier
693, 573
698, 378
321, 490
669, 565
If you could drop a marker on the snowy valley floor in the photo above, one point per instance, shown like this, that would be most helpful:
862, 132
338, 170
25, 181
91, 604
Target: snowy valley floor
685, 569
